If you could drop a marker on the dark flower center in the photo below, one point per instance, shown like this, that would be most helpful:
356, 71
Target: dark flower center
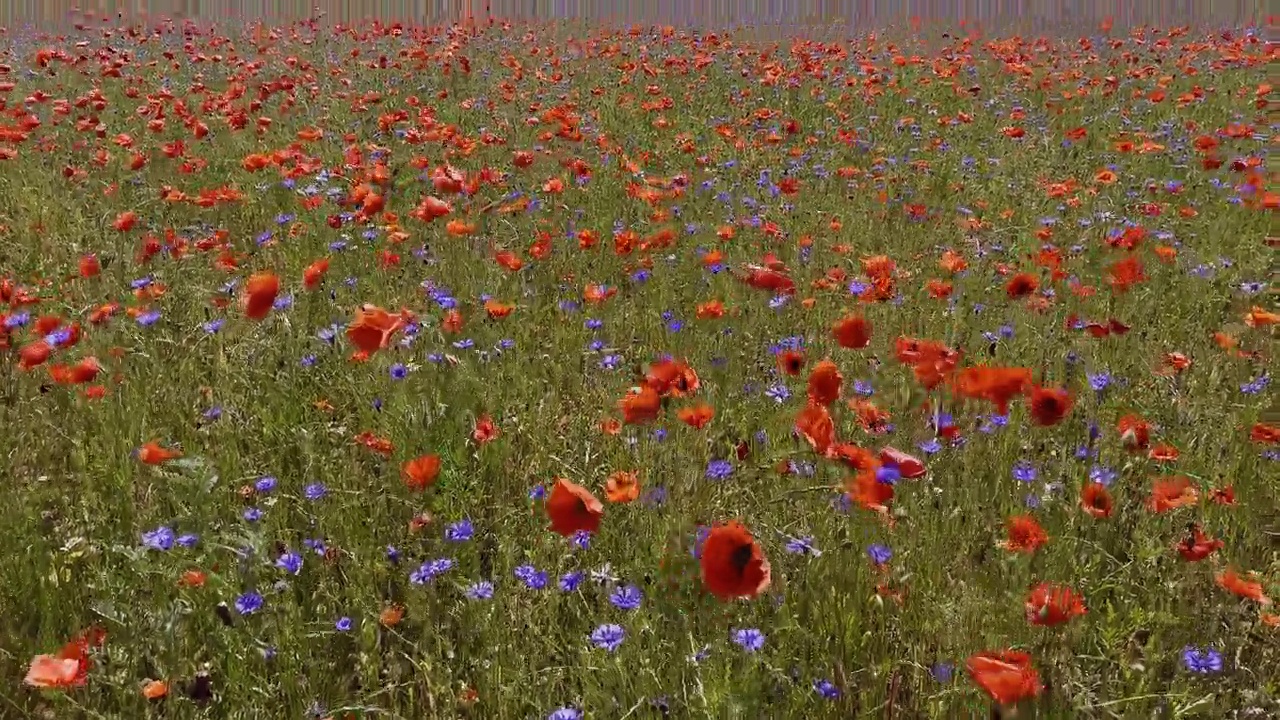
741, 556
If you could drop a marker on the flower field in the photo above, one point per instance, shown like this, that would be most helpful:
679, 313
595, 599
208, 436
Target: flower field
537, 370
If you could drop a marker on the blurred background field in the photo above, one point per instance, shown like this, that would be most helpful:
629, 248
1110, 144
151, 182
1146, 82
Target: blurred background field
775, 16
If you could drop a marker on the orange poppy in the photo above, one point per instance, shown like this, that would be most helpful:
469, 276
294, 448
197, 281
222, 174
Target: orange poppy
622, 486
70, 667
372, 328
1050, 605
420, 473
572, 508
696, 416
155, 690
1264, 433
824, 383
259, 294
1021, 285
1170, 493
498, 310
1231, 581
733, 564
314, 273
1006, 676
152, 454
998, 385
391, 616
640, 405
710, 310
672, 377
814, 425
1163, 453
868, 492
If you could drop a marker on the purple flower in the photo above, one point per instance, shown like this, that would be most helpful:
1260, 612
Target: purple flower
608, 637
159, 539
1024, 471
1206, 661
749, 639
879, 554
249, 603
627, 597
719, 469
482, 590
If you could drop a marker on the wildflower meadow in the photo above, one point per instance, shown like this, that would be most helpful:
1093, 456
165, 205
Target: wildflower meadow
559, 370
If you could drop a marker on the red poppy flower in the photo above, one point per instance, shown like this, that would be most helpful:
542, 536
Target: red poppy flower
573, 508
1049, 604
1024, 534
1096, 500
733, 565
1006, 676
1049, 406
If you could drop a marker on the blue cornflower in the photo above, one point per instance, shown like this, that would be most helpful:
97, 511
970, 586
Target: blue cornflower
1102, 475
565, 713
265, 484
802, 546
942, 671
343, 625
581, 539
290, 562
1205, 661
159, 539
608, 637
249, 603
749, 639
428, 570
399, 371
531, 577
314, 491
879, 554
189, 540
888, 475
778, 393
627, 597
252, 514
1024, 471
930, 446
571, 580
719, 469
482, 590
460, 531
826, 689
